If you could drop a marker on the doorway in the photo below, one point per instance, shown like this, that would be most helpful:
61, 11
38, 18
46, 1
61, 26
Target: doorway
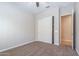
66, 31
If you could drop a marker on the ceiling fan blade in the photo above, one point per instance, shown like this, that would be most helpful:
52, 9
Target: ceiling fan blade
37, 4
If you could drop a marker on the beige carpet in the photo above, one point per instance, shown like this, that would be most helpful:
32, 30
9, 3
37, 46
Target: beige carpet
40, 49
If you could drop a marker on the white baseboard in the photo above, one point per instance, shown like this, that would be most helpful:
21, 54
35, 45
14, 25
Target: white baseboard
50, 43
56, 44
77, 51
15, 46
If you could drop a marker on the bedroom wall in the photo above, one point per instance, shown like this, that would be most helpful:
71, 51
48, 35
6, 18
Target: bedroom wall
54, 11
45, 30
66, 10
16, 26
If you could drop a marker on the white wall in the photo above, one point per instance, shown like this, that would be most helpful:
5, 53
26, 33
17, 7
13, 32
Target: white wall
77, 26
66, 10
45, 30
50, 12
16, 26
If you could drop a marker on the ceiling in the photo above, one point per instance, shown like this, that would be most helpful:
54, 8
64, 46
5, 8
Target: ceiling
31, 6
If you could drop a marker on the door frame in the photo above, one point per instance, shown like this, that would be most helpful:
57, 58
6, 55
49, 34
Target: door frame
73, 29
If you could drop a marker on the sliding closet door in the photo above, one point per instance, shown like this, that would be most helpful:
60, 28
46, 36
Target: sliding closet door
45, 30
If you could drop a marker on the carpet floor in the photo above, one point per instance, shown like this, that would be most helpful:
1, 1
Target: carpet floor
40, 49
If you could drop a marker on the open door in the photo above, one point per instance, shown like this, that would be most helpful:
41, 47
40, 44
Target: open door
67, 30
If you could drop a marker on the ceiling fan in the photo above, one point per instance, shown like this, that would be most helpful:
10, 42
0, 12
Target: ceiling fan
38, 4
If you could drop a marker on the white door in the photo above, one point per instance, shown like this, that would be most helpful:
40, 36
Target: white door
45, 29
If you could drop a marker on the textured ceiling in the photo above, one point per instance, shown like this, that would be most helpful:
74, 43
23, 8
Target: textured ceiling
31, 6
